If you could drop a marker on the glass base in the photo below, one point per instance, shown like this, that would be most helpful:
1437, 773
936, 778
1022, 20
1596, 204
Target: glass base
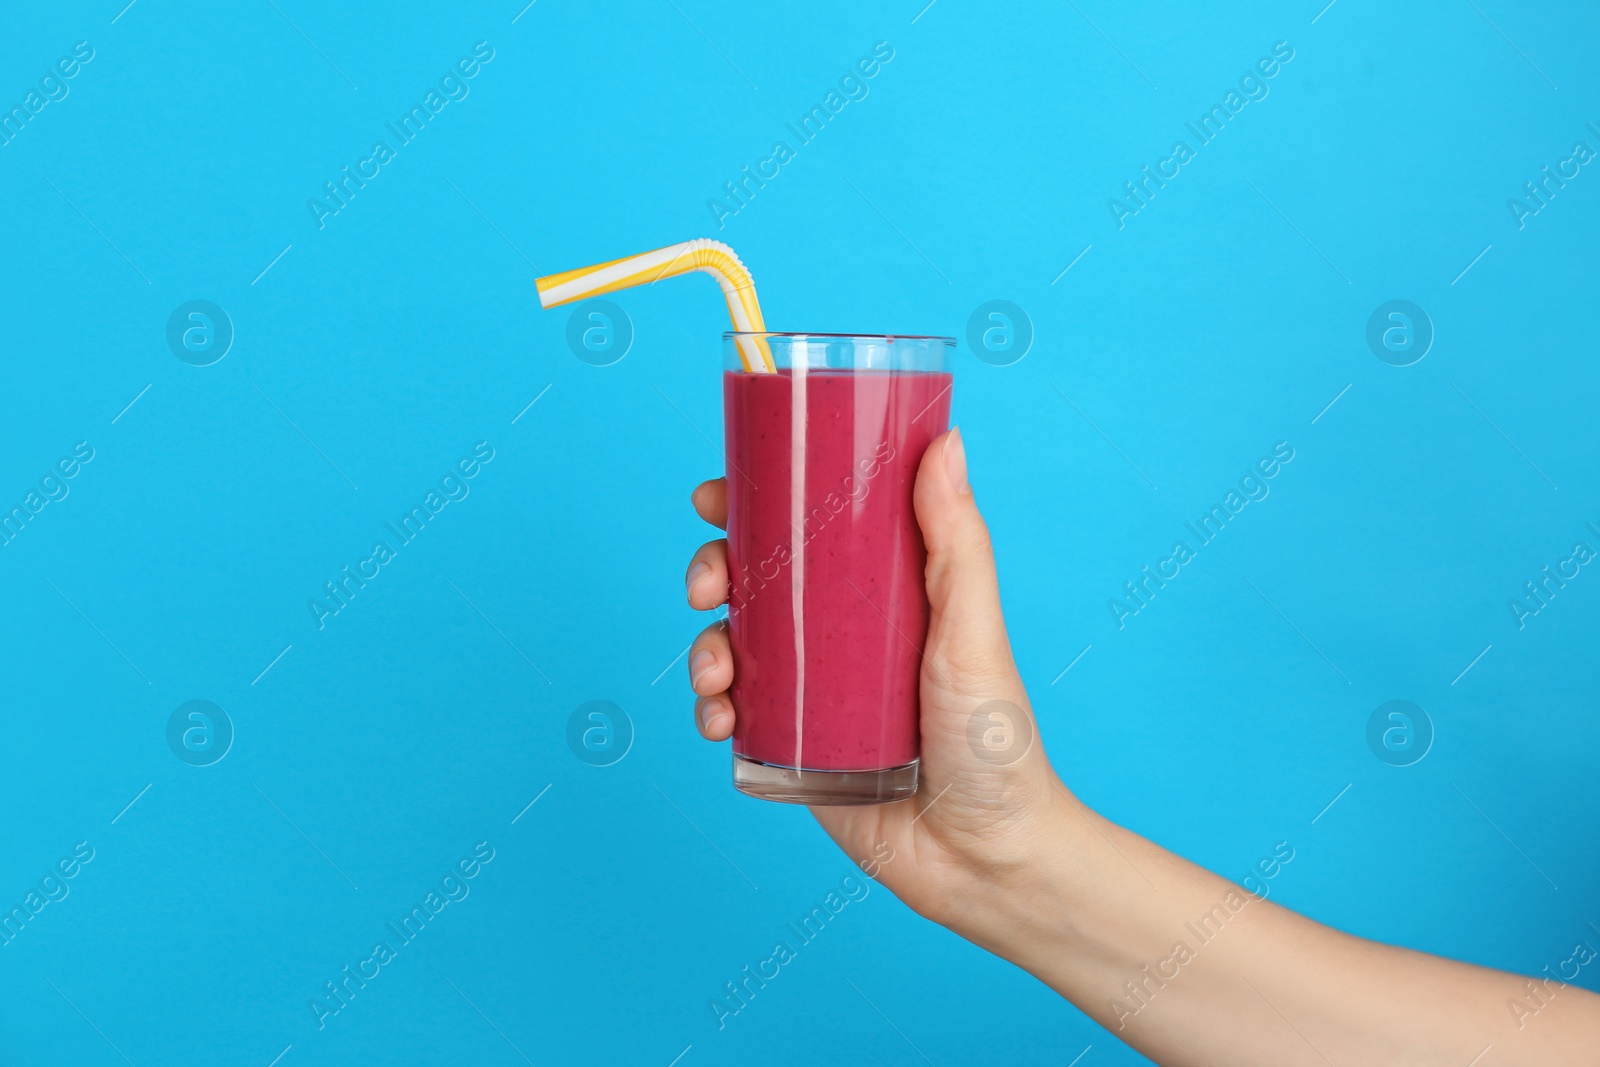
790, 785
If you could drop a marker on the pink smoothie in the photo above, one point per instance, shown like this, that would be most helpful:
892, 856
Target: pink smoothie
827, 679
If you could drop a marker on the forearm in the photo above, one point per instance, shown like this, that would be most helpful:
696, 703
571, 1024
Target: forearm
1192, 969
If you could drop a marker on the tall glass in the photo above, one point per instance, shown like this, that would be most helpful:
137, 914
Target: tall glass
828, 612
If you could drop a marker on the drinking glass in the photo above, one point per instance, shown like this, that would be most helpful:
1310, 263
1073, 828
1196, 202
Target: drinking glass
828, 613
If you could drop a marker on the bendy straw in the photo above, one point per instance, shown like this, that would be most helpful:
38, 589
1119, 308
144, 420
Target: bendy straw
708, 257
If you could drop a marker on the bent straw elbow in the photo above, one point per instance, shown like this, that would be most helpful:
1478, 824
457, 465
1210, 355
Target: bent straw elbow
703, 255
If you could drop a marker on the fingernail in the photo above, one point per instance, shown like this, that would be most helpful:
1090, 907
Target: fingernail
697, 572
710, 711
699, 663
955, 461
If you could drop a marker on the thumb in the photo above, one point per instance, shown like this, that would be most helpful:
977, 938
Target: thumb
967, 643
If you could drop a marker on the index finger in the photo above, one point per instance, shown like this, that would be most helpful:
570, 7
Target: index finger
710, 500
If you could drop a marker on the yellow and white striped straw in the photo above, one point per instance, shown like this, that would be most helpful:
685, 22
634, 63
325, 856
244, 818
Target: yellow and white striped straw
708, 257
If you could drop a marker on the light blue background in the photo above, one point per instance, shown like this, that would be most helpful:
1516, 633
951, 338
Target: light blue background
1223, 318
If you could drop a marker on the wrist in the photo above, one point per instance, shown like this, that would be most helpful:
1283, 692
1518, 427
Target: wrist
1030, 877
1063, 902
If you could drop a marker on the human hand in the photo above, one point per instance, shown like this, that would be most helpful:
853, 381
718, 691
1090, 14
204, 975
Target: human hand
996, 848
981, 809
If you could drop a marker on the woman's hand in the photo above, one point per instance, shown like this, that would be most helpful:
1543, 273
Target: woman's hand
1183, 965
986, 786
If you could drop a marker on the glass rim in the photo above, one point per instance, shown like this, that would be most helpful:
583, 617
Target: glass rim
730, 335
